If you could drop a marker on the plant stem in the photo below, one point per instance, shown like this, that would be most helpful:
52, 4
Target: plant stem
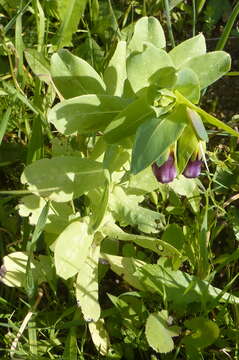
169, 24
194, 18
224, 37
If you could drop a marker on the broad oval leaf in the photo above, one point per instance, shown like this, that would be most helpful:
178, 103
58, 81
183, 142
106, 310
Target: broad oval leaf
158, 334
147, 29
128, 120
87, 286
115, 73
188, 84
73, 76
58, 216
63, 178
13, 270
86, 113
100, 336
209, 67
205, 332
188, 49
72, 248
126, 211
155, 136
142, 66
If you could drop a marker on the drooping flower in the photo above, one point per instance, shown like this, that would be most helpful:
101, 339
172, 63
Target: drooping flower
166, 172
193, 169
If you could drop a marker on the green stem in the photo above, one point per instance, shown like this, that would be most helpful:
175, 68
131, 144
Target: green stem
169, 24
223, 39
194, 18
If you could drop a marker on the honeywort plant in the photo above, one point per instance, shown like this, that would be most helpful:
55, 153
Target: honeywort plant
142, 112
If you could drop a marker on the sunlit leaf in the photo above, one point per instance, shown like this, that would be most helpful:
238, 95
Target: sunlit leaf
87, 286
187, 50
85, 114
63, 178
115, 73
147, 29
142, 66
100, 336
72, 248
158, 333
73, 76
155, 136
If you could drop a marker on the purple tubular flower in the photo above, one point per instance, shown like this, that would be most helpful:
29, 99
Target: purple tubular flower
193, 169
166, 172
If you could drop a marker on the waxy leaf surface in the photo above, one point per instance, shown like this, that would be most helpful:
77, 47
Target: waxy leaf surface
115, 73
147, 30
155, 136
87, 286
85, 114
72, 248
63, 178
142, 66
73, 76
187, 50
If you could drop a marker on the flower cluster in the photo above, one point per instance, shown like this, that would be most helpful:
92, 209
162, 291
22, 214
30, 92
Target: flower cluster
167, 172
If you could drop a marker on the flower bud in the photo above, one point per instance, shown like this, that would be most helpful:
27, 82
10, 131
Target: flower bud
193, 169
166, 172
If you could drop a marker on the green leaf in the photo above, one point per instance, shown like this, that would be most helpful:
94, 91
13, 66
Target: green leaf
38, 64
187, 50
206, 117
174, 236
142, 183
73, 76
160, 247
170, 283
197, 124
86, 113
142, 66
188, 85
147, 29
165, 77
100, 336
205, 332
101, 208
173, 3
87, 286
126, 267
126, 210
209, 67
13, 270
63, 178
58, 216
115, 73
128, 120
155, 136
4, 123
72, 248
70, 14
185, 148
158, 333
70, 350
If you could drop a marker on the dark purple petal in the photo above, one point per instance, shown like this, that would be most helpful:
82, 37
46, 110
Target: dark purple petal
166, 172
193, 169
